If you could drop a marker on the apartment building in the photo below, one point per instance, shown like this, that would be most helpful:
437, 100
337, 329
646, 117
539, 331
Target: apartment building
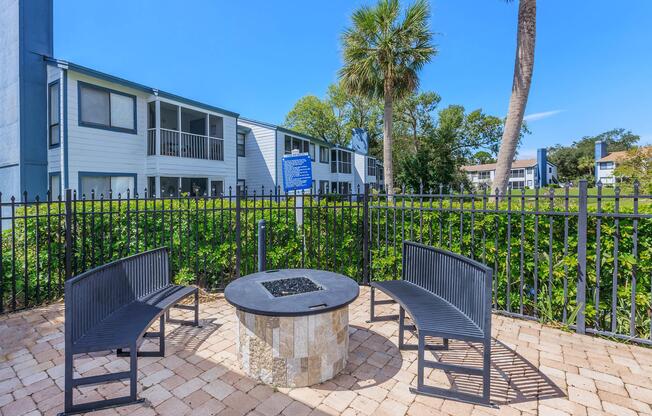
334, 168
606, 162
525, 173
64, 125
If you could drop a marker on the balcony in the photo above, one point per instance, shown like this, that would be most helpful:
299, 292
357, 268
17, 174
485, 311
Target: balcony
180, 144
184, 132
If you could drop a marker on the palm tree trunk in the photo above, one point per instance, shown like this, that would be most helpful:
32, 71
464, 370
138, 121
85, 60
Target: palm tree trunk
388, 140
523, 67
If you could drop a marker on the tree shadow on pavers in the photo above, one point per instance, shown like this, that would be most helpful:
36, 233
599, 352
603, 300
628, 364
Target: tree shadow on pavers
513, 378
373, 359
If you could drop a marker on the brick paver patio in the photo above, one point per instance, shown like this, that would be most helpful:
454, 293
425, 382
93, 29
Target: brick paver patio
536, 370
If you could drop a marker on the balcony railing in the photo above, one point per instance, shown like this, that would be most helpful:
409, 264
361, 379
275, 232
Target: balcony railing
188, 145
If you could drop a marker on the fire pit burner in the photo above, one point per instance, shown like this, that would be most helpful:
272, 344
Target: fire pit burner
291, 286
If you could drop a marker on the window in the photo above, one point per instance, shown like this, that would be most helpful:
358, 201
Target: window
169, 186
216, 127
371, 166
151, 186
169, 116
53, 113
293, 143
517, 173
606, 165
55, 186
103, 184
194, 186
340, 161
311, 150
217, 188
484, 175
241, 144
323, 187
517, 184
323, 154
549, 169
342, 188
104, 108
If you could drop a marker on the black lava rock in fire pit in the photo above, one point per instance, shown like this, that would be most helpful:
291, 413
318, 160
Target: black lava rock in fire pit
291, 286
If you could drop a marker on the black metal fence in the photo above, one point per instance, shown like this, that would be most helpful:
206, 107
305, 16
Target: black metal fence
575, 256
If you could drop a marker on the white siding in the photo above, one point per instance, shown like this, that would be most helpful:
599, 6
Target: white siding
321, 171
258, 167
105, 151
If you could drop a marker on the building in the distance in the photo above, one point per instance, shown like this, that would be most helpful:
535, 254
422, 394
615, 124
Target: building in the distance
526, 173
606, 162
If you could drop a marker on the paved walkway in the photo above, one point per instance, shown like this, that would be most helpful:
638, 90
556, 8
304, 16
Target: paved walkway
536, 370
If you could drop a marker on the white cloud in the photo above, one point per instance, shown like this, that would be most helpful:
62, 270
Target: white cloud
541, 115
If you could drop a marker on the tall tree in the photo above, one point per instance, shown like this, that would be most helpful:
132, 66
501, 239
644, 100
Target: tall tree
414, 115
333, 117
523, 67
383, 55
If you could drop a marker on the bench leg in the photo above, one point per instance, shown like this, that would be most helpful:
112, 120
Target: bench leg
68, 403
194, 308
197, 307
421, 361
372, 308
71, 408
133, 370
401, 328
485, 372
161, 343
161, 336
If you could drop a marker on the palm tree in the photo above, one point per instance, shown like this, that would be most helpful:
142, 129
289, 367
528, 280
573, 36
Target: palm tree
382, 58
525, 40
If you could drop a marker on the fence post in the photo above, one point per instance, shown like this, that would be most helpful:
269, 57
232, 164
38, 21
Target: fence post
68, 248
262, 246
582, 229
365, 235
238, 240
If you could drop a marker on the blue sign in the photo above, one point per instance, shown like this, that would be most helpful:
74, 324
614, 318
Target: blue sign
297, 172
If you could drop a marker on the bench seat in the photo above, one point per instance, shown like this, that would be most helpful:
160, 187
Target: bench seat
126, 325
429, 312
447, 296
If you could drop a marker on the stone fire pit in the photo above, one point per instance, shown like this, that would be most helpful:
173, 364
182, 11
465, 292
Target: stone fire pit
293, 325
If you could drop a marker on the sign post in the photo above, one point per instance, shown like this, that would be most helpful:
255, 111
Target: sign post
297, 176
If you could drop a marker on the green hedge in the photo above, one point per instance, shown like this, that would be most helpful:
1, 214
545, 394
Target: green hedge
202, 241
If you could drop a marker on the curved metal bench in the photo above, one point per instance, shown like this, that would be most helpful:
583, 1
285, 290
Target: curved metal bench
446, 296
110, 308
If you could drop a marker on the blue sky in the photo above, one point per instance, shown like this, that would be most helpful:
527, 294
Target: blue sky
593, 66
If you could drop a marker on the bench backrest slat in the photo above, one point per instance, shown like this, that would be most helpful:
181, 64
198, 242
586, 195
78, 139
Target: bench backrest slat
463, 282
93, 295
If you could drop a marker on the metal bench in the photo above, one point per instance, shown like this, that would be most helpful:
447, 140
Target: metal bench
110, 308
447, 296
